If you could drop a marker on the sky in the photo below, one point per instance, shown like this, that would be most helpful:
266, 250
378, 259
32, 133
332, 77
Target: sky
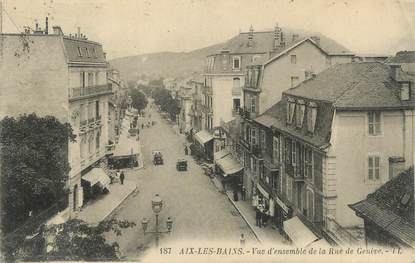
132, 27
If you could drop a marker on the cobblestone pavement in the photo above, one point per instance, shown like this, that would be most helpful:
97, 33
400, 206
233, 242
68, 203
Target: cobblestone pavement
199, 211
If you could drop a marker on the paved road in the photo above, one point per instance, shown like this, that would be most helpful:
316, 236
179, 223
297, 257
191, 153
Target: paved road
199, 211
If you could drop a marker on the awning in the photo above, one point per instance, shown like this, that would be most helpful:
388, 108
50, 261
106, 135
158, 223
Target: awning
262, 190
299, 234
203, 137
229, 165
221, 154
97, 175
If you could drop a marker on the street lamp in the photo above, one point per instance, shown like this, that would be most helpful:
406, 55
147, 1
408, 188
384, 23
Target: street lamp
157, 205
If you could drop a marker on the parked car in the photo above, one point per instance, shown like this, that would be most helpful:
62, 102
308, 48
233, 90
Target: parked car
181, 165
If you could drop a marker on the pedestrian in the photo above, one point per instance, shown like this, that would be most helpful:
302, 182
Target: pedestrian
243, 193
142, 125
186, 151
235, 195
122, 177
257, 217
243, 240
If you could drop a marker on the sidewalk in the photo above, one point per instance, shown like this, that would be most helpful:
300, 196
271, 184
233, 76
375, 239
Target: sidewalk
97, 210
265, 235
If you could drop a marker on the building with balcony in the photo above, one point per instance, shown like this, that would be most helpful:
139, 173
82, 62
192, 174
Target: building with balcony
185, 96
349, 127
62, 76
196, 110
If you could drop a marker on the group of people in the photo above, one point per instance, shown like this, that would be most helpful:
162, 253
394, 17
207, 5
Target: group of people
118, 175
262, 212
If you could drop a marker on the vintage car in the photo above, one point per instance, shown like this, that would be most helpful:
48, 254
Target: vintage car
181, 165
157, 158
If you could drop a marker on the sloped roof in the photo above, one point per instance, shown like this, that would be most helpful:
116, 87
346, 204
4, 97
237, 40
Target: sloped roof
263, 42
403, 57
71, 47
276, 117
391, 207
353, 85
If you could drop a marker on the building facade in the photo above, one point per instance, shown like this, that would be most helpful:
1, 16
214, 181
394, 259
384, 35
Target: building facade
349, 127
70, 85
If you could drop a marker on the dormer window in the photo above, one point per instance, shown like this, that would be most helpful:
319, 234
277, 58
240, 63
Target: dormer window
300, 113
290, 110
94, 52
311, 116
79, 52
236, 63
405, 91
87, 52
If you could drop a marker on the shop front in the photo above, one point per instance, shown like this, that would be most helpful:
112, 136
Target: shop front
203, 145
95, 183
229, 170
298, 233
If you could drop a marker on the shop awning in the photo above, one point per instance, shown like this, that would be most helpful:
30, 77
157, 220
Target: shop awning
97, 175
299, 234
221, 154
203, 137
263, 192
229, 165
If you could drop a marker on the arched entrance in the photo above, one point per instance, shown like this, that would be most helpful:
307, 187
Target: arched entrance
75, 197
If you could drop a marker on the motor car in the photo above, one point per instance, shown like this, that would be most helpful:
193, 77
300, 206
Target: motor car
181, 165
157, 158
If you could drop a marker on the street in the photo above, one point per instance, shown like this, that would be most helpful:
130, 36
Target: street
199, 211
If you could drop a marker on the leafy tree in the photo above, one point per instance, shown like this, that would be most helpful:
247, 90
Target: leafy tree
139, 100
76, 240
166, 102
34, 166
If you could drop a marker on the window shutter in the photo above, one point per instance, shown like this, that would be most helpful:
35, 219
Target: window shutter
370, 168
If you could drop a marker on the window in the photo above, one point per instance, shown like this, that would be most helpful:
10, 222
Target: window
236, 63
374, 123
300, 113
289, 189
253, 137
90, 142
236, 88
311, 116
82, 147
94, 52
288, 145
294, 153
293, 59
374, 167
82, 78
290, 110
254, 166
79, 52
91, 79
96, 78
294, 81
97, 115
276, 150
310, 204
253, 104
405, 91
308, 163
87, 52
262, 139
236, 104
97, 141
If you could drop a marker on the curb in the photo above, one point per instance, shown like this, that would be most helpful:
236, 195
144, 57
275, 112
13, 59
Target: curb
122, 201
244, 218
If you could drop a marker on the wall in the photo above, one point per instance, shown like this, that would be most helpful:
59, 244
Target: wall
34, 76
223, 98
351, 146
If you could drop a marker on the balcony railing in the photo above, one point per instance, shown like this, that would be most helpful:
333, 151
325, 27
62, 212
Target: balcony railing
246, 114
270, 163
76, 93
256, 151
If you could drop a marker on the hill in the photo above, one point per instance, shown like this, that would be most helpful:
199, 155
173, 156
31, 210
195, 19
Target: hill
163, 64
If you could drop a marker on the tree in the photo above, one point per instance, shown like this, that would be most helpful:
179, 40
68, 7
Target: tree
139, 100
76, 240
34, 166
166, 102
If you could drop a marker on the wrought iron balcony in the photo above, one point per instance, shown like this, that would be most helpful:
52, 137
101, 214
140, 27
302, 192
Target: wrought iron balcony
256, 151
84, 92
270, 163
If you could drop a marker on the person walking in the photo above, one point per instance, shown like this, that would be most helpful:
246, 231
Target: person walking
257, 217
122, 177
243, 193
186, 151
235, 195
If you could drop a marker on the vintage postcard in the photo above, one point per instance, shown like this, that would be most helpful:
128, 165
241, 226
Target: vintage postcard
207, 130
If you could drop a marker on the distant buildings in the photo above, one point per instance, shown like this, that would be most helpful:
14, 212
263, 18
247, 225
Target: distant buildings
349, 127
66, 77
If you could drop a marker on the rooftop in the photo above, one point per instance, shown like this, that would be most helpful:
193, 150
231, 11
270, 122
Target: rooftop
403, 57
391, 207
353, 86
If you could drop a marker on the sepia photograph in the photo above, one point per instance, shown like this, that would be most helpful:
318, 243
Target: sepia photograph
207, 131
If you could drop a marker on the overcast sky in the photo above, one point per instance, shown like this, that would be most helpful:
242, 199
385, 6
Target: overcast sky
130, 27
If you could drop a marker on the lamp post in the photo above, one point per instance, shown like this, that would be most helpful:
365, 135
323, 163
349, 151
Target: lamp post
157, 205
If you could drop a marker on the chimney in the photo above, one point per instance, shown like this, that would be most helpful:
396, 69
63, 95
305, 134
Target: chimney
47, 26
250, 36
79, 32
277, 36
37, 27
316, 39
396, 166
57, 30
295, 38
282, 41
